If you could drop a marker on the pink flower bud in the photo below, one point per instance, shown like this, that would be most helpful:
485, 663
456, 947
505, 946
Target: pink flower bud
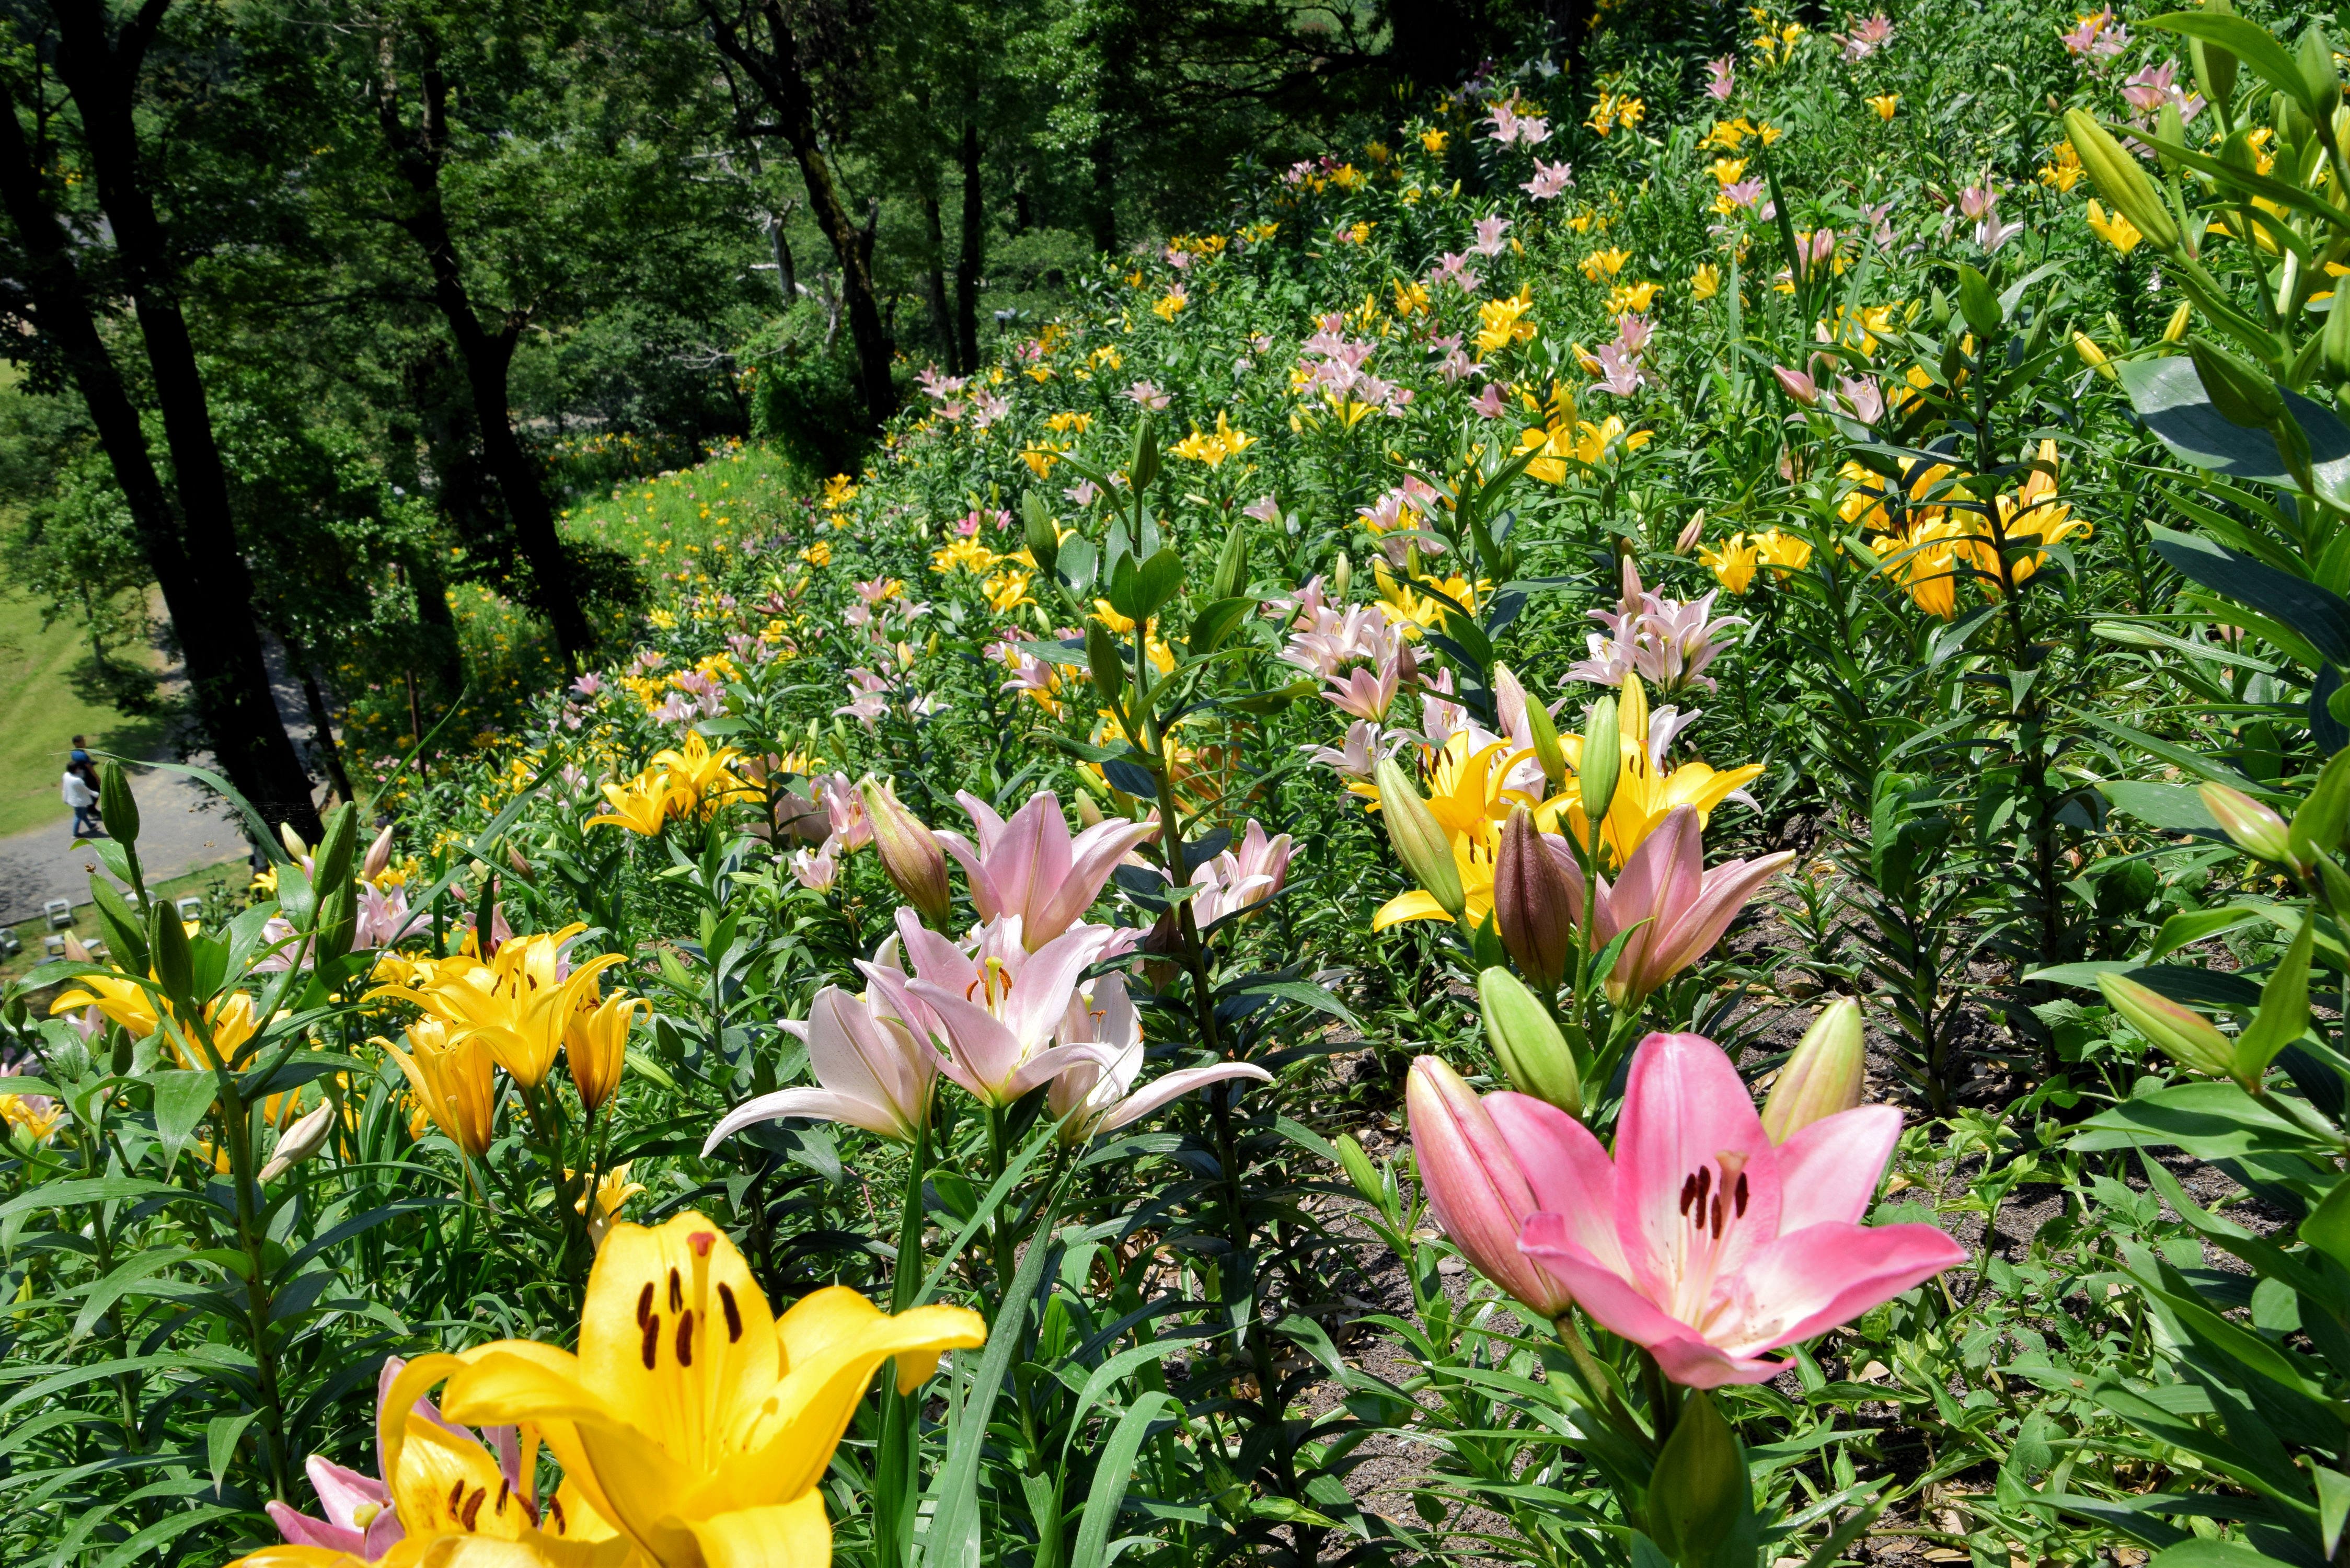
1797, 385
2253, 827
1477, 1192
910, 851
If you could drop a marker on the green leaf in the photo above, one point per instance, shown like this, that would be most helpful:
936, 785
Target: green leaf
90, 1190
2175, 808
2284, 1008
2251, 43
2169, 397
2318, 614
125, 1279
182, 1099
221, 1435
2209, 1121
2201, 1554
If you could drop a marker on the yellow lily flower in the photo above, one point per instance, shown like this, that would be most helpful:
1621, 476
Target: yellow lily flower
1644, 794
1468, 795
514, 1002
691, 1421
449, 1073
641, 806
1732, 565
698, 772
123, 999
596, 1046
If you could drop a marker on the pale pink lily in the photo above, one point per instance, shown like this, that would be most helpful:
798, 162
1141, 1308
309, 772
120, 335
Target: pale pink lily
1358, 758
1364, 692
1032, 867
996, 1009
1701, 1241
870, 1071
844, 807
1095, 1093
1680, 907
1242, 876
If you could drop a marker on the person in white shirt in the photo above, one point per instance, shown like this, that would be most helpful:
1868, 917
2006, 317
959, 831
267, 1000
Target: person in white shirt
84, 800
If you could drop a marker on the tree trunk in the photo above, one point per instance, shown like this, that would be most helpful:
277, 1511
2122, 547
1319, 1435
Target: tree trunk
934, 278
487, 356
775, 72
322, 720
973, 257
193, 551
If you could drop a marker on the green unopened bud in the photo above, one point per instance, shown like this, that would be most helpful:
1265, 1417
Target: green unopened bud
909, 852
1142, 465
2321, 79
2183, 1034
2317, 827
1419, 840
123, 931
1361, 1171
338, 846
173, 964
2250, 825
1701, 1503
2215, 67
2120, 180
2242, 393
1231, 566
1827, 1073
1341, 578
1602, 763
1547, 750
1108, 667
1527, 1042
2333, 342
1043, 538
1978, 301
115, 804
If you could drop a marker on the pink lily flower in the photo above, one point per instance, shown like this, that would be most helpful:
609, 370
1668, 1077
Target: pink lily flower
1365, 693
1031, 867
1480, 1186
1095, 1093
994, 1009
871, 1072
1704, 1242
1686, 907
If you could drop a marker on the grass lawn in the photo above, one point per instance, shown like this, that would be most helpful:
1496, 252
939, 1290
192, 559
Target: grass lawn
221, 886
43, 706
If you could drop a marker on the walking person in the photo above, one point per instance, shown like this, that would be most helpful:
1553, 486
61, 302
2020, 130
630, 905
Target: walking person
81, 795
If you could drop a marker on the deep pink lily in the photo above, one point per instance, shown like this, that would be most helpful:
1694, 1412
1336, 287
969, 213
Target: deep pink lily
1701, 1241
1032, 867
1686, 906
871, 1072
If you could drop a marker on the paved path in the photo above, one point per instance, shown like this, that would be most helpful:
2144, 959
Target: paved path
181, 828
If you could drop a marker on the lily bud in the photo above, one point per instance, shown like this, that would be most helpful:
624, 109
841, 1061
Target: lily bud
2183, 1034
2175, 329
1419, 840
300, 1141
2250, 825
1701, 1500
1526, 1041
1797, 385
116, 808
1107, 664
1477, 1190
522, 867
1826, 1074
2120, 181
2242, 393
1692, 534
378, 855
1603, 762
1341, 578
1361, 1171
1544, 735
1089, 812
1037, 529
909, 852
1533, 905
